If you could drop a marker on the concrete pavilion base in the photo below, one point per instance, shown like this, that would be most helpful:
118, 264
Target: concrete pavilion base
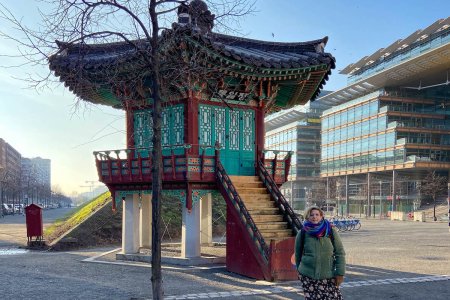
171, 254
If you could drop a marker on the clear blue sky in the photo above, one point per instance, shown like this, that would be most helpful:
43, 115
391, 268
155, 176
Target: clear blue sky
44, 124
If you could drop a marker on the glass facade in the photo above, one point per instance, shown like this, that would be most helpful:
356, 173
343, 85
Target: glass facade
386, 129
298, 130
391, 127
433, 41
303, 139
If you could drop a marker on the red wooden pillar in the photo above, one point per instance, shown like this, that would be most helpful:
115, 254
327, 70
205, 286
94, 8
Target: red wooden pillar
260, 131
191, 125
129, 119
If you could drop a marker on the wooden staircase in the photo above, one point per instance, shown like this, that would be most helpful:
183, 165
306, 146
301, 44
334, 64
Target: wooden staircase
260, 232
262, 209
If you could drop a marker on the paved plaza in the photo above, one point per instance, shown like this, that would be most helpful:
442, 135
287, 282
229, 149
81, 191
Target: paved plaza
386, 260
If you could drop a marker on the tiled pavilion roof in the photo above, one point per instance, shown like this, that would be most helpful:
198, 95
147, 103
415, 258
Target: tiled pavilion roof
299, 69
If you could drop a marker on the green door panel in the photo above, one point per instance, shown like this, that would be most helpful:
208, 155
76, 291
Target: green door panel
143, 133
172, 130
231, 153
235, 131
247, 157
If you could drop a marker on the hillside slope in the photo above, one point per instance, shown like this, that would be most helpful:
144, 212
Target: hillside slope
94, 224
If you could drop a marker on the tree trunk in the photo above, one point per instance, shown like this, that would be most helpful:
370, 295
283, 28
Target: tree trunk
434, 209
157, 288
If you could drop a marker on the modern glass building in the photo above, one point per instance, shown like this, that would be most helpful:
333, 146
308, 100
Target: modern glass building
298, 130
393, 125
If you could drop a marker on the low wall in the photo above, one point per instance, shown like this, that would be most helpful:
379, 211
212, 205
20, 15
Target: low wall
419, 216
398, 215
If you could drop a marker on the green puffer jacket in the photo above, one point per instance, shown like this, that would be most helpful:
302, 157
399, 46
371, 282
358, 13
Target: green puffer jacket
317, 260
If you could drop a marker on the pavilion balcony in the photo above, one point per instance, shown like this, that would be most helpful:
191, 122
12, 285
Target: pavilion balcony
134, 166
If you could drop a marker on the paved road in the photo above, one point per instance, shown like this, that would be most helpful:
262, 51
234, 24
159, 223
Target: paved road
386, 260
13, 230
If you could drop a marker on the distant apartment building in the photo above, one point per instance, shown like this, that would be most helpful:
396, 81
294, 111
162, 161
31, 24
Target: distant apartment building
298, 130
23, 180
393, 125
10, 158
36, 178
10, 170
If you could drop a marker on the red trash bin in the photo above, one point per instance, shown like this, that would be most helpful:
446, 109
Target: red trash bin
33, 216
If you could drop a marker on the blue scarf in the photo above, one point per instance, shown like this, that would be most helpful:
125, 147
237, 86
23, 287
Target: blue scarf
323, 228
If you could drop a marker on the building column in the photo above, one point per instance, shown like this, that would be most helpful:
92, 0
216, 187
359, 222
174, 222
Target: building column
130, 224
368, 195
347, 210
190, 232
328, 194
206, 219
145, 224
394, 208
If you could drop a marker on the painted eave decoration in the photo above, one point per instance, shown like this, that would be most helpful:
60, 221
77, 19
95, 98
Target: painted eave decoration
293, 73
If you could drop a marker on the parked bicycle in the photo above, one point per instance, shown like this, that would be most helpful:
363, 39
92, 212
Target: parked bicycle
346, 223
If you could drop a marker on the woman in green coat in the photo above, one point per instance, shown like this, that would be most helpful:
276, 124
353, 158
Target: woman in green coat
319, 257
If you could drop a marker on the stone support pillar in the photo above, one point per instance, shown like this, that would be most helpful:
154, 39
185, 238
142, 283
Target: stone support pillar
130, 225
190, 232
145, 223
206, 220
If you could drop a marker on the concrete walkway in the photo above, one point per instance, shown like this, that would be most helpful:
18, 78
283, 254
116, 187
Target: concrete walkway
386, 260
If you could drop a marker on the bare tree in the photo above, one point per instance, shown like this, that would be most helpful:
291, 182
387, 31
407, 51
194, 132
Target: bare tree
141, 25
319, 193
434, 186
3, 177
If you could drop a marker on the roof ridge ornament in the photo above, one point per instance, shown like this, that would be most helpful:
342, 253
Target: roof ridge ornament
196, 14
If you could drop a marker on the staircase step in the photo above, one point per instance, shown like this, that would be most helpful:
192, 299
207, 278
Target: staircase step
272, 225
267, 218
236, 179
256, 184
271, 233
251, 190
254, 197
259, 204
263, 211
262, 208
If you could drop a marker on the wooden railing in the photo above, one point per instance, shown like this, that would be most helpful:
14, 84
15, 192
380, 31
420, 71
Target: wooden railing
279, 199
278, 167
231, 195
129, 165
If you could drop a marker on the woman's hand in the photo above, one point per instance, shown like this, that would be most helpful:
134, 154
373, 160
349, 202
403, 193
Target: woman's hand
339, 279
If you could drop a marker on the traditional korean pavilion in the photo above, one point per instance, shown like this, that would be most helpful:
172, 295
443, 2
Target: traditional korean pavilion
218, 88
